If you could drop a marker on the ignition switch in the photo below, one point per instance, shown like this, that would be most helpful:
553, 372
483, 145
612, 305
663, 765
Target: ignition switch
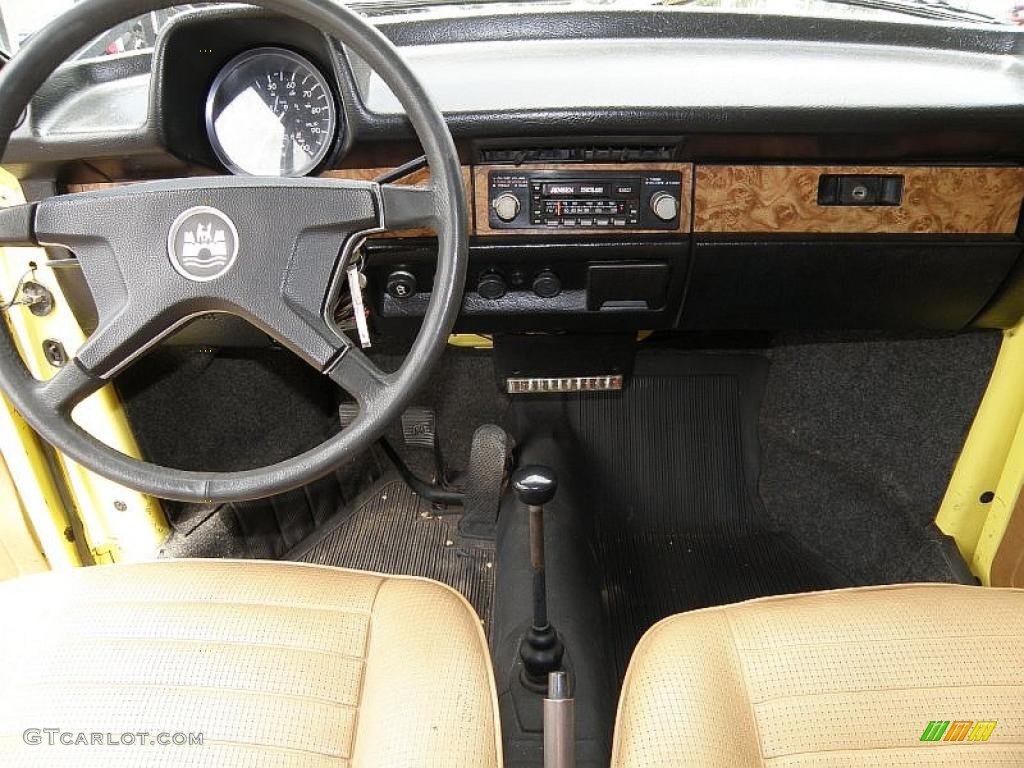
401, 284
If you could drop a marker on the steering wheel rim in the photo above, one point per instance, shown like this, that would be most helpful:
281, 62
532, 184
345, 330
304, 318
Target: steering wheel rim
47, 408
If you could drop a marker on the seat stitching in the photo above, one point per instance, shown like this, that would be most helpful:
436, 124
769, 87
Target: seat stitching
746, 685
239, 603
107, 639
275, 747
973, 746
183, 687
889, 689
870, 640
366, 664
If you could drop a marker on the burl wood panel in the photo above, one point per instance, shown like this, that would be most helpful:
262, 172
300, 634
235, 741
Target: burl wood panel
480, 173
782, 198
359, 174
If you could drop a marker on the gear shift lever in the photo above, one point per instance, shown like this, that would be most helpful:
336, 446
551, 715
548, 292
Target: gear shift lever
541, 649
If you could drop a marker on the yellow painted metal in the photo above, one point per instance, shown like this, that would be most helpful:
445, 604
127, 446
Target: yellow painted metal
118, 524
476, 341
990, 471
1007, 491
471, 341
32, 475
20, 551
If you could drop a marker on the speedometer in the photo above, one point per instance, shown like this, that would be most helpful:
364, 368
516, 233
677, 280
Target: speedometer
271, 112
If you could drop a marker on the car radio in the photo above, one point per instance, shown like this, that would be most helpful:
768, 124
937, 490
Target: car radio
647, 200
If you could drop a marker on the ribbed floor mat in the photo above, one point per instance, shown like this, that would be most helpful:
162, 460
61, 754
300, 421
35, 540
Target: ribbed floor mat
385, 531
678, 524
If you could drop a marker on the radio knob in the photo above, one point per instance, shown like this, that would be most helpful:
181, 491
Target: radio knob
664, 206
506, 206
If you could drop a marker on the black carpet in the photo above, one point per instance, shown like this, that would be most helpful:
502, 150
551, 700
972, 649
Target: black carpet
233, 409
391, 530
860, 436
673, 464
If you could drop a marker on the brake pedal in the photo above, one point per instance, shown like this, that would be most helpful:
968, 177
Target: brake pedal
419, 427
488, 461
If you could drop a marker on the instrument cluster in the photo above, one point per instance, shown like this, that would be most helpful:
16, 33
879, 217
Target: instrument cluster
272, 112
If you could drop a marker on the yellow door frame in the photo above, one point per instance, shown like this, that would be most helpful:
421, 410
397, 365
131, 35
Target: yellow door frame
988, 477
115, 523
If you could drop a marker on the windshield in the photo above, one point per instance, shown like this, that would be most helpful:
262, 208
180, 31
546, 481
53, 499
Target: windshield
22, 18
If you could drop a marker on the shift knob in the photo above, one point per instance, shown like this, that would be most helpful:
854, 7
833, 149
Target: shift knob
535, 485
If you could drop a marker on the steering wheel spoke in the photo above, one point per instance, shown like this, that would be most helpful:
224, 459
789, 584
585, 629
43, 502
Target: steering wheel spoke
17, 225
407, 207
360, 377
68, 387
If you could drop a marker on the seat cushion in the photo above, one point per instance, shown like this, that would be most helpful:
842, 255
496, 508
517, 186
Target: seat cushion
839, 679
275, 664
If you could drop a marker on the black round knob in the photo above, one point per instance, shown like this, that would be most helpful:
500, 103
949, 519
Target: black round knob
492, 286
401, 284
546, 284
535, 485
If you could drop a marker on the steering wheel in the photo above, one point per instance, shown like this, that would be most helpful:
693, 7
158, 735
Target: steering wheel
269, 250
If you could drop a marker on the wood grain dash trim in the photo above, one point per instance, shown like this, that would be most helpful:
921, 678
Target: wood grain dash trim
784, 199
483, 226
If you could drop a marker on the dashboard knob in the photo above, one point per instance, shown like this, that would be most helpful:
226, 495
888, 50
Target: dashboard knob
546, 284
401, 284
664, 206
506, 206
491, 286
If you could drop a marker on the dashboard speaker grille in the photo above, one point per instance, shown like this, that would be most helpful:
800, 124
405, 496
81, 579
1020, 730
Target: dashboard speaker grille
587, 153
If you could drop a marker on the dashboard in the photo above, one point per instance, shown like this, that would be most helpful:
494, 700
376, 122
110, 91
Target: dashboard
624, 171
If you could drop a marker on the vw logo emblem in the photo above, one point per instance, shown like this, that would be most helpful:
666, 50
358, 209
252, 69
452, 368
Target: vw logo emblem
202, 244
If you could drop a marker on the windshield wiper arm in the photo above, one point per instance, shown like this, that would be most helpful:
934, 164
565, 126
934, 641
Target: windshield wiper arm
940, 10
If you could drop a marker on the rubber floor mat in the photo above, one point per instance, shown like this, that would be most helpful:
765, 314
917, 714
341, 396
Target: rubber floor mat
391, 530
672, 464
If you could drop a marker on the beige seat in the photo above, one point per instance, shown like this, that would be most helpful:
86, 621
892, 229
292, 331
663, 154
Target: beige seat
275, 664
839, 679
